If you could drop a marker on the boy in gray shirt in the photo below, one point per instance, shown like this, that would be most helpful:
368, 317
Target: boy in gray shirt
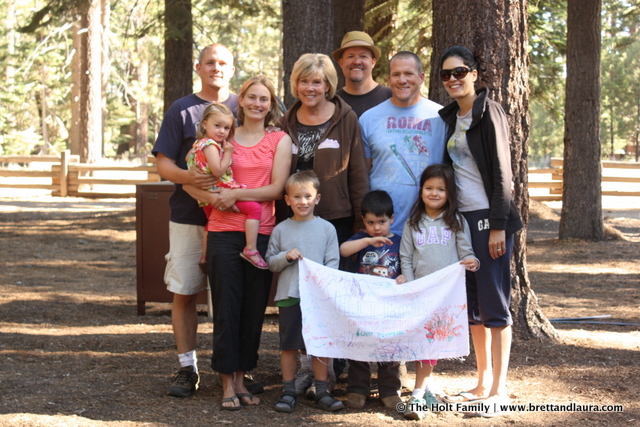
306, 235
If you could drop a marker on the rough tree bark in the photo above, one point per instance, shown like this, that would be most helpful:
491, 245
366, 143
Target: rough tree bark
347, 16
307, 27
178, 50
496, 31
582, 193
91, 85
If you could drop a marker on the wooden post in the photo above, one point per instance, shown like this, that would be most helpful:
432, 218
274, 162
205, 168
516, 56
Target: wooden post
64, 172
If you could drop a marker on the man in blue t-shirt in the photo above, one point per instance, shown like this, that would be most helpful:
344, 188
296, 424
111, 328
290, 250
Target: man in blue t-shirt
402, 136
182, 275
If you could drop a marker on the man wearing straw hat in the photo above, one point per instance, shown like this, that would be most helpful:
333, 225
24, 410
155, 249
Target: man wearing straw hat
357, 56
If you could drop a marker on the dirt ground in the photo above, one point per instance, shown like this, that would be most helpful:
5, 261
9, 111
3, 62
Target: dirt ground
73, 352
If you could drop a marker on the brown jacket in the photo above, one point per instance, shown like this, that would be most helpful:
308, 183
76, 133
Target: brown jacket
341, 166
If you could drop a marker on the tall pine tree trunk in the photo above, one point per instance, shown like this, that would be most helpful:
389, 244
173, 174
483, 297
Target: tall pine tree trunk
347, 16
316, 26
178, 50
496, 31
582, 193
307, 27
91, 85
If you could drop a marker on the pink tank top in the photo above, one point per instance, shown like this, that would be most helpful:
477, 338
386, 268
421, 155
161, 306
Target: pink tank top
252, 166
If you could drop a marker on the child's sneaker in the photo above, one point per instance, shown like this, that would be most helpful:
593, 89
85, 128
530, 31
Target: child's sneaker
414, 409
431, 400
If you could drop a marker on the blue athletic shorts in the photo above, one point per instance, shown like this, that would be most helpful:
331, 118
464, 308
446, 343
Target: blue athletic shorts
488, 288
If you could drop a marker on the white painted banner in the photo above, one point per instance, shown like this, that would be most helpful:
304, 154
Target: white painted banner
370, 318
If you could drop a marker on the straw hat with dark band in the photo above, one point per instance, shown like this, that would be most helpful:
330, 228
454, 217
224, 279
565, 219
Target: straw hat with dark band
353, 39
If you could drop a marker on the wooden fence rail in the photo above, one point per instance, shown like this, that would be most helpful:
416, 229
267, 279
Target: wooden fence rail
609, 175
68, 177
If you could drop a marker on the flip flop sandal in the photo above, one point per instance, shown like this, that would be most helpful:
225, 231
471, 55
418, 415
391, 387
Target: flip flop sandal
261, 264
231, 399
496, 406
328, 403
249, 396
286, 403
463, 397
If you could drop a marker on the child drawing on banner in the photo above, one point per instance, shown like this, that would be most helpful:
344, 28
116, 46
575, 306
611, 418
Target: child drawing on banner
377, 252
211, 153
306, 235
435, 236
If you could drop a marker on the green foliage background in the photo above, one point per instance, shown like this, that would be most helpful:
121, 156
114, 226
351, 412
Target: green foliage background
35, 66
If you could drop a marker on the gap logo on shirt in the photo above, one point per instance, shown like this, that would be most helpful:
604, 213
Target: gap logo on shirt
433, 236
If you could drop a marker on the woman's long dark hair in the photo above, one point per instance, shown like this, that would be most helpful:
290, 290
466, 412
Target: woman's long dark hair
468, 58
450, 214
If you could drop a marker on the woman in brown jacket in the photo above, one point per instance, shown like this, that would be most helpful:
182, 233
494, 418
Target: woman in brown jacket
326, 138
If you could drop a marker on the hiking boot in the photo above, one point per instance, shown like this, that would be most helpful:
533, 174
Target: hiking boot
356, 400
391, 402
303, 379
184, 383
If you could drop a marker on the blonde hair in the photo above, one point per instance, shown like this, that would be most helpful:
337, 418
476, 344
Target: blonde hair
302, 178
314, 63
216, 109
274, 111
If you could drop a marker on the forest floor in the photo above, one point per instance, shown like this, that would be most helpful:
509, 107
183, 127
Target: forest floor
73, 351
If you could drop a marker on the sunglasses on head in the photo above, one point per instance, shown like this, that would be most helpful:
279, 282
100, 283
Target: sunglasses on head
459, 73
